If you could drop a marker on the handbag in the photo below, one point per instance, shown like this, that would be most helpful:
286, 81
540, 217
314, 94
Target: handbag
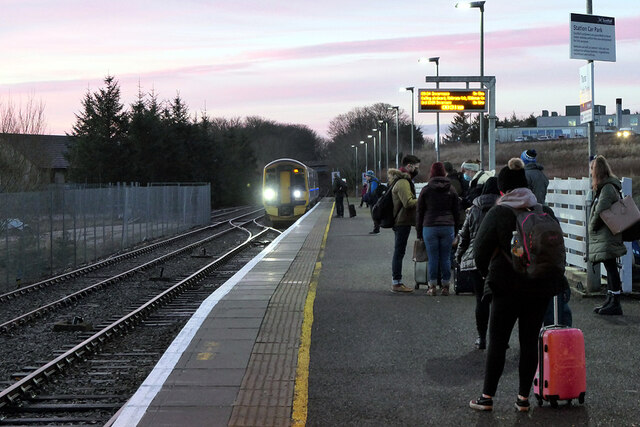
419, 251
622, 215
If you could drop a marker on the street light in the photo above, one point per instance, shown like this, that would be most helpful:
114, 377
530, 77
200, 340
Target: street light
410, 89
366, 155
386, 138
379, 130
397, 136
479, 5
356, 170
374, 151
436, 59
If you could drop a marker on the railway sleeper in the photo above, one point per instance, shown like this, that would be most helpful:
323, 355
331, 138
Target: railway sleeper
61, 407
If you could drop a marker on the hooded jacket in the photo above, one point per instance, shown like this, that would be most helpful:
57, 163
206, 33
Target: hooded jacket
538, 181
437, 204
404, 197
493, 242
475, 214
603, 244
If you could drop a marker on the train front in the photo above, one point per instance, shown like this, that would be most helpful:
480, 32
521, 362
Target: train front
285, 190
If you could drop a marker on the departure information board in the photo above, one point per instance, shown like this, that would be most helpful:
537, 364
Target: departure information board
452, 100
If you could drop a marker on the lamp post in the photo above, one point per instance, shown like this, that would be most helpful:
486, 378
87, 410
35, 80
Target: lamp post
410, 89
479, 5
356, 169
374, 151
386, 138
436, 59
379, 130
397, 136
366, 155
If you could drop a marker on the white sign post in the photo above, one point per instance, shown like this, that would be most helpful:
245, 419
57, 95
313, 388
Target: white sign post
593, 37
586, 93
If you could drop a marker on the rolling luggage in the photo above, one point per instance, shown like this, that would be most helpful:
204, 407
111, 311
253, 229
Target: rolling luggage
420, 273
352, 209
464, 281
561, 373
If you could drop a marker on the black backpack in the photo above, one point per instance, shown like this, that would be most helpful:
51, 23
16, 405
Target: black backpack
537, 246
382, 212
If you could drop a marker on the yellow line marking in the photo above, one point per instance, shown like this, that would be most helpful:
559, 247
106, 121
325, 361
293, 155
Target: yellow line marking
301, 390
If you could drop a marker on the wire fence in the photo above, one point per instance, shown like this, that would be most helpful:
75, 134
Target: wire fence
47, 232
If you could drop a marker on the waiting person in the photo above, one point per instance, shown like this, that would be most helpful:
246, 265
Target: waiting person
437, 215
604, 246
465, 255
371, 197
339, 190
538, 181
365, 187
515, 298
404, 210
457, 181
565, 316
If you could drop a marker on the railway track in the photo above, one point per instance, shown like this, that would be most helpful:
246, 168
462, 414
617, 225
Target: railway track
105, 364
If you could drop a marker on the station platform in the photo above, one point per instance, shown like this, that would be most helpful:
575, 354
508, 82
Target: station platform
309, 333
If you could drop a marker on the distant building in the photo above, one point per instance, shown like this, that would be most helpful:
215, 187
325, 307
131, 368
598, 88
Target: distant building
45, 153
554, 126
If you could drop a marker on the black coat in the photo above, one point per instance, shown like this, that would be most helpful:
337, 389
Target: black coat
492, 245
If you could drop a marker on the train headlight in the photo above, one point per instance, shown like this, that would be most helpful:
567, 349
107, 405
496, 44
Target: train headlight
269, 194
297, 194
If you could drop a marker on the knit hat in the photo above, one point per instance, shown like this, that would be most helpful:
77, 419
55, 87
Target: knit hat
437, 169
490, 186
512, 176
370, 173
528, 156
448, 167
470, 166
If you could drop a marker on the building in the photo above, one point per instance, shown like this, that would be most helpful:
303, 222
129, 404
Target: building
554, 126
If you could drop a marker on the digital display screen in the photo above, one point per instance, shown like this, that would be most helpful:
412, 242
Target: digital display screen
452, 100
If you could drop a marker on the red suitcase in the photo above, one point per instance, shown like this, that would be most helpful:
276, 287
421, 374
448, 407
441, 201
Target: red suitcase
561, 371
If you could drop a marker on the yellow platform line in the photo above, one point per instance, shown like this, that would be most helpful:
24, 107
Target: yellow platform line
301, 390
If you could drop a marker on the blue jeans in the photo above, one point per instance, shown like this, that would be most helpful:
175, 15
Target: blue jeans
399, 249
438, 240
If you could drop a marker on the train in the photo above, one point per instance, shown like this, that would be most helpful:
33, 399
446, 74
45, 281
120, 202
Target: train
289, 189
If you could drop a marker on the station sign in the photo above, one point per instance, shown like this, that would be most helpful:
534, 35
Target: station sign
593, 37
586, 93
452, 101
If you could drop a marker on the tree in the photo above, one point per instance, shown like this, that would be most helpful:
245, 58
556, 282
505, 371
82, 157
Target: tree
18, 171
101, 152
459, 130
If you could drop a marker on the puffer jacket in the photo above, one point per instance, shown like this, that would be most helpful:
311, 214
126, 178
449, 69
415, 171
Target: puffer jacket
492, 246
404, 197
437, 204
538, 181
603, 244
475, 214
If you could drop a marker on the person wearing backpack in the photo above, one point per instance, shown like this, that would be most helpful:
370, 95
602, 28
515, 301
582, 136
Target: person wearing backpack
516, 296
604, 246
372, 196
403, 193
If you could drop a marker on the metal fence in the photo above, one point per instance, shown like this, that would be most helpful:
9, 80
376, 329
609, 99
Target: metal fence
46, 232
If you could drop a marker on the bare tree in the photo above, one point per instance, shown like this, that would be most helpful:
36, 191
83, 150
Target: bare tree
18, 171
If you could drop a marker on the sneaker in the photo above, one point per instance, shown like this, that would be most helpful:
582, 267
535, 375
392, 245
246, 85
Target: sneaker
522, 405
375, 231
431, 291
481, 343
401, 289
445, 291
482, 404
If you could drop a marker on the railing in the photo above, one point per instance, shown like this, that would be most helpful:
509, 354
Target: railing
567, 198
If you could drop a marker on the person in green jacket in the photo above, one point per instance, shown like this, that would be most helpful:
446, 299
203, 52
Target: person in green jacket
404, 210
604, 246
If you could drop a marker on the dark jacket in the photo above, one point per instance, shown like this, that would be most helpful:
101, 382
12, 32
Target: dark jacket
493, 244
475, 214
404, 197
538, 181
437, 204
603, 244
339, 187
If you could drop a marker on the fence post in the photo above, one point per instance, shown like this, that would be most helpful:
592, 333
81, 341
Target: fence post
626, 274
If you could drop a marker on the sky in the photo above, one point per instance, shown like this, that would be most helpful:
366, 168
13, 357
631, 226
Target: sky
304, 62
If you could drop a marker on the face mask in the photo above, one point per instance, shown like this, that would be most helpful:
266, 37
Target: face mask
414, 173
466, 177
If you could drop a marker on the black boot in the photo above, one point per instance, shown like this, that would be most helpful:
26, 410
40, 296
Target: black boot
606, 303
614, 308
